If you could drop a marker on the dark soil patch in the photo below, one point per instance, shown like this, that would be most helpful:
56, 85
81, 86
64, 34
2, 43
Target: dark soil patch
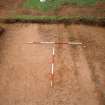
1, 30
79, 20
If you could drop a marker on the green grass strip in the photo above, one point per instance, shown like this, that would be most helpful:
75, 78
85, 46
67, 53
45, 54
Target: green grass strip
29, 17
54, 4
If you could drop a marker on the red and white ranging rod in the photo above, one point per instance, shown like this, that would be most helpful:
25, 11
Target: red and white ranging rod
52, 67
53, 55
69, 43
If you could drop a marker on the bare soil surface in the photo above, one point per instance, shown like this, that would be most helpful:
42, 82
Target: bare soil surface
14, 7
79, 70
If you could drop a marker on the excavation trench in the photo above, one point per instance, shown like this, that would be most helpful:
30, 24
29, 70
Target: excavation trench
78, 69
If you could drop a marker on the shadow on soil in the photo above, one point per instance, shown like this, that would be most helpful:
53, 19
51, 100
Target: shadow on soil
85, 21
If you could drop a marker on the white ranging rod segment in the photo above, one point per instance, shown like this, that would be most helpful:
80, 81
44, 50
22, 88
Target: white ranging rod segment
53, 52
75, 43
52, 71
40, 42
51, 83
47, 42
53, 61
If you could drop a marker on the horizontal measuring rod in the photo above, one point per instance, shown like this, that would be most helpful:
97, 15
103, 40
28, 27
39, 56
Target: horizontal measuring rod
69, 43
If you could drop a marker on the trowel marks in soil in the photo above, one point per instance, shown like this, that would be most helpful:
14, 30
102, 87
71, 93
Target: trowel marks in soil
25, 68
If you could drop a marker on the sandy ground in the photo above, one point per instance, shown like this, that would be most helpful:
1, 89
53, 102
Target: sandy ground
78, 70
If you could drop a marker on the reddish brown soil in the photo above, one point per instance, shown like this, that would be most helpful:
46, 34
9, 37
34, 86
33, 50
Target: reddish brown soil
79, 70
13, 7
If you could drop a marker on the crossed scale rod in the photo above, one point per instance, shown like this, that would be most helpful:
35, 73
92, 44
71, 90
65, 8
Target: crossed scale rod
53, 55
